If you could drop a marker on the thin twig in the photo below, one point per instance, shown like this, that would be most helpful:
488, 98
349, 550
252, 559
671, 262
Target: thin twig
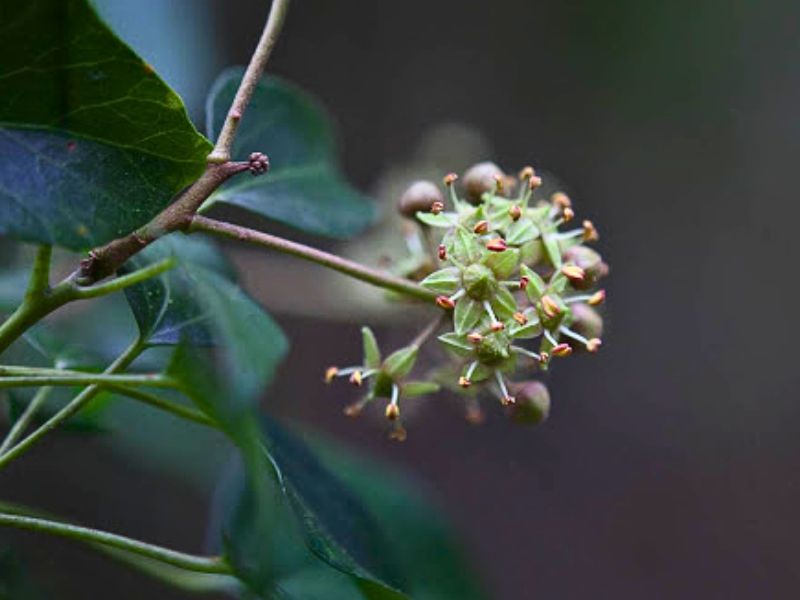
77, 403
25, 418
255, 69
190, 562
337, 263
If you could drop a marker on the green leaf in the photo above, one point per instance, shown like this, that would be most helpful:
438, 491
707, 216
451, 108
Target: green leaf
170, 308
463, 246
536, 286
412, 389
551, 249
467, 315
521, 231
456, 342
335, 524
94, 143
444, 281
503, 303
503, 264
400, 362
304, 187
444, 220
430, 560
372, 354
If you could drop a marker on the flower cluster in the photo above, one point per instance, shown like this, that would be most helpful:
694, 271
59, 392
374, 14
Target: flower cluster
519, 288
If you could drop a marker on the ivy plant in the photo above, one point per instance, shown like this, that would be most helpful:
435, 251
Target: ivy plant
100, 159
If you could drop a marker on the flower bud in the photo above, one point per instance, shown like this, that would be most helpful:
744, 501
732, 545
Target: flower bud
419, 197
586, 321
479, 179
533, 403
494, 349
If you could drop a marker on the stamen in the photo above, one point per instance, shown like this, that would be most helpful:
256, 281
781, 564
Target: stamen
593, 345
566, 235
466, 380
549, 306
506, 398
573, 272
561, 200
442, 252
475, 338
449, 180
437, 207
520, 318
597, 298
497, 326
445, 302
488, 308
354, 409
398, 433
474, 414
393, 409
568, 214
356, 378
515, 212
481, 227
573, 334
330, 373
562, 350
523, 282
590, 232
550, 337
526, 352
497, 245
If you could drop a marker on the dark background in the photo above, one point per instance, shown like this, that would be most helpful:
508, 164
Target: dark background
669, 467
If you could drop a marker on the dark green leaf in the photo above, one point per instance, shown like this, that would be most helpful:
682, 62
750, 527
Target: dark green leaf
304, 188
94, 143
467, 315
335, 523
372, 354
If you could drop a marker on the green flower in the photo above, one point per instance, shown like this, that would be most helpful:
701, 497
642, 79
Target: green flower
384, 379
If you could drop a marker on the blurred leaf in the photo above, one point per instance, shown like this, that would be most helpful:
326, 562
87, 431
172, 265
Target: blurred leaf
304, 187
372, 354
335, 523
13, 282
365, 521
420, 545
14, 581
91, 136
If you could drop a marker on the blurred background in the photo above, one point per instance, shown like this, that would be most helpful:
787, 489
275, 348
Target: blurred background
670, 465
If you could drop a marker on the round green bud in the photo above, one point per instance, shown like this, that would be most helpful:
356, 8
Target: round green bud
494, 349
532, 405
590, 261
479, 179
479, 281
419, 197
586, 321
